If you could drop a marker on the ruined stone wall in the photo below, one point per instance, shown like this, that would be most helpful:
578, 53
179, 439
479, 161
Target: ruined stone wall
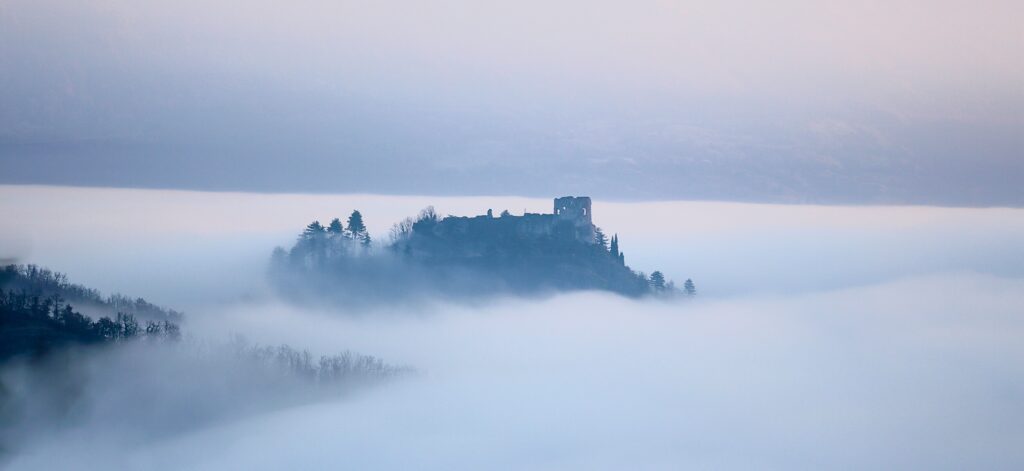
571, 218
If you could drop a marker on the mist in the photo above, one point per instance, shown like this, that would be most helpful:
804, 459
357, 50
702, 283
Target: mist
917, 374
821, 337
214, 247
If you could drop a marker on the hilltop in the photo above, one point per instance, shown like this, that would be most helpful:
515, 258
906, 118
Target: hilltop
464, 256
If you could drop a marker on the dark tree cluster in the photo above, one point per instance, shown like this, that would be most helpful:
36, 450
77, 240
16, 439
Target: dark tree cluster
35, 319
45, 283
460, 256
318, 246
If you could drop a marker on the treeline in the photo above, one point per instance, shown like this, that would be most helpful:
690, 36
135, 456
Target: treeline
425, 256
656, 283
342, 368
44, 283
317, 244
35, 318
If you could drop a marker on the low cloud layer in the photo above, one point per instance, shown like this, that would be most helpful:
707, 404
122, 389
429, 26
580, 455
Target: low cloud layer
821, 338
915, 374
185, 248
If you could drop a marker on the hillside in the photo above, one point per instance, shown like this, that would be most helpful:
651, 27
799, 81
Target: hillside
460, 256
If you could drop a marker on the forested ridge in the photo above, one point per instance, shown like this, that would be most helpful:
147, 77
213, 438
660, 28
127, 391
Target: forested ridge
456, 257
37, 314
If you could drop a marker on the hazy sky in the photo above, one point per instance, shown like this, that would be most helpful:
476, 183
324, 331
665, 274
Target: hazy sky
873, 101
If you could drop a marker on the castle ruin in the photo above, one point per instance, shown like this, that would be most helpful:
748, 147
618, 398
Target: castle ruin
571, 218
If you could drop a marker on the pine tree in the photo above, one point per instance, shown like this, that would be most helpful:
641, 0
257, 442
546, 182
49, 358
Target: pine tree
312, 231
311, 246
689, 288
335, 227
615, 245
355, 223
657, 281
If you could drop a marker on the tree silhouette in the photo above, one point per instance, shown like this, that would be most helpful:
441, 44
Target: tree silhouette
313, 231
600, 239
657, 281
358, 230
355, 224
689, 288
335, 227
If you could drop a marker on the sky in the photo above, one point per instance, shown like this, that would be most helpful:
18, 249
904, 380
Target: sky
895, 102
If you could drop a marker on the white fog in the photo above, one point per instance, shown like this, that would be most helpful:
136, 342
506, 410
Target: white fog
823, 337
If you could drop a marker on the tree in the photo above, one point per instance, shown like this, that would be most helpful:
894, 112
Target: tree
278, 259
311, 244
335, 227
355, 224
600, 239
358, 230
615, 245
312, 232
427, 215
402, 230
657, 281
106, 328
689, 288
127, 326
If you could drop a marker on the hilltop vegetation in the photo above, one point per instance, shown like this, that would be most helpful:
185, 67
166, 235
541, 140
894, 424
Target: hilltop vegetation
37, 317
461, 257
59, 366
44, 283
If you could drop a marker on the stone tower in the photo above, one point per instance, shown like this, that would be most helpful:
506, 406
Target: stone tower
573, 208
576, 210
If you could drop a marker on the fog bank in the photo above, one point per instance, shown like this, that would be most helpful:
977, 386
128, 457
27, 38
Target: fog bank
821, 337
184, 248
917, 374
